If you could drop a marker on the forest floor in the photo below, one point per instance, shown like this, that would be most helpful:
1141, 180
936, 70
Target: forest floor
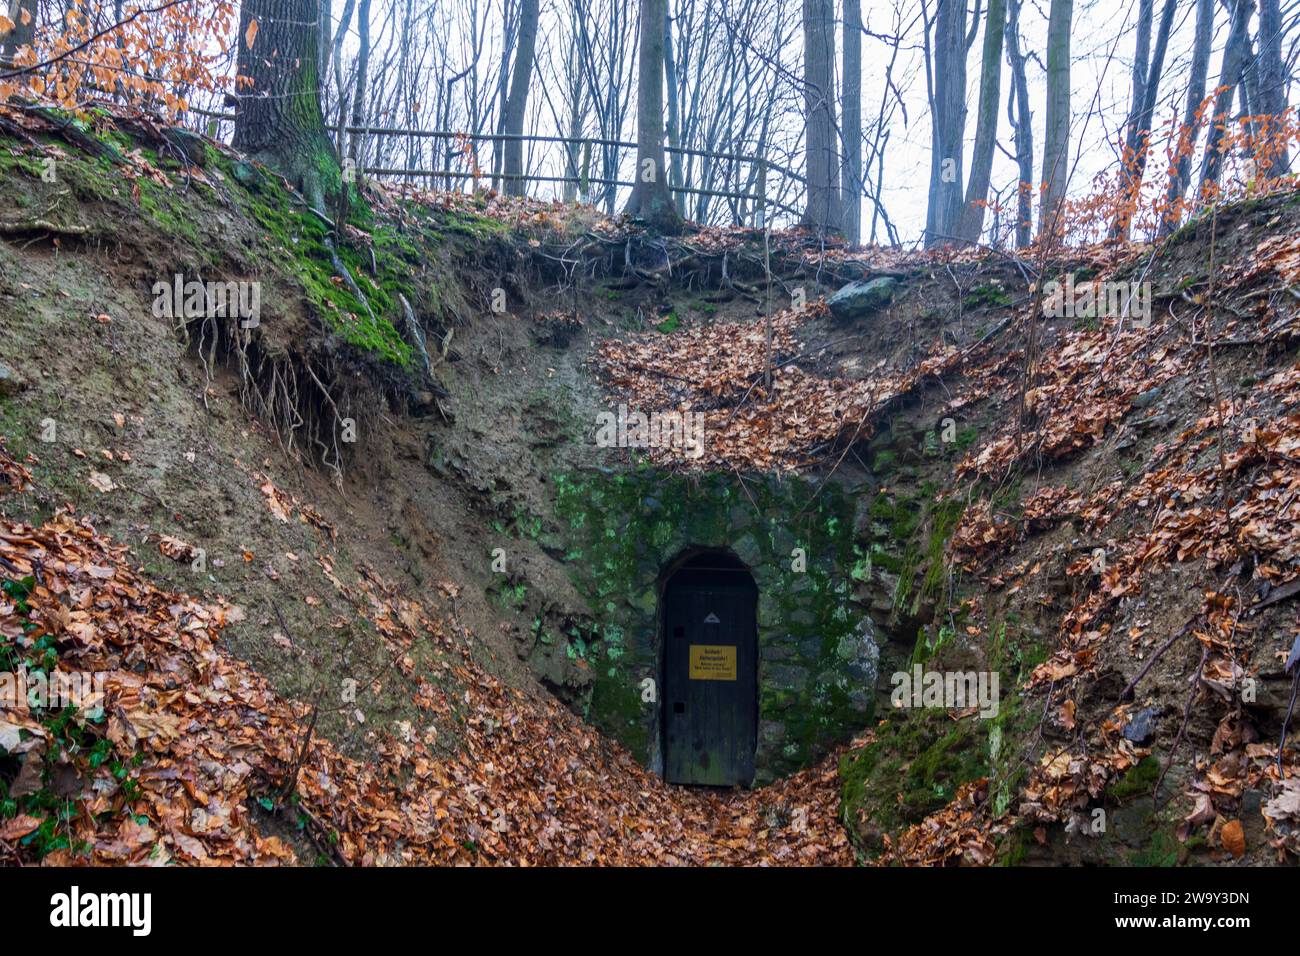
304, 658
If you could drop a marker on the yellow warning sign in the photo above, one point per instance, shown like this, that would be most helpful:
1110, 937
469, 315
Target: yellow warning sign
713, 662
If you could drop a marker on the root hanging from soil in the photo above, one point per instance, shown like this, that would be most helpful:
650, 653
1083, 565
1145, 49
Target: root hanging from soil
315, 409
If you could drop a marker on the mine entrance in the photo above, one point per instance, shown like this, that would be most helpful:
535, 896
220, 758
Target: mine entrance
710, 679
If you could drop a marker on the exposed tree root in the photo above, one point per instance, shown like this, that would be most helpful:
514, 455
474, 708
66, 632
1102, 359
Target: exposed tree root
288, 391
40, 225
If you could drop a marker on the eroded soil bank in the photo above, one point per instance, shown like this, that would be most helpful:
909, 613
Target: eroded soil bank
366, 589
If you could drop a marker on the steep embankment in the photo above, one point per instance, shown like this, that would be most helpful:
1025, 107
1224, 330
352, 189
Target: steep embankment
1097, 510
322, 560
157, 533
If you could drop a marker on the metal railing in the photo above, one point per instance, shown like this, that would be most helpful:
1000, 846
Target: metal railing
752, 206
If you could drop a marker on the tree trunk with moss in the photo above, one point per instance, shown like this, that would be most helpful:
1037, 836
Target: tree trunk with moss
1180, 171
823, 212
278, 120
651, 200
971, 224
1236, 57
517, 101
851, 169
1272, 77
1056, 141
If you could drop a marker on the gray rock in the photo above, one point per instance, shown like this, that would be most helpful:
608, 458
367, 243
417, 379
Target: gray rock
746, 548
771, 731
1142, 727
810, 648
860, 300
189, 143
786, 677
860, 652
11, 383
646, 601
246, 174
1147, 398
783, 543
774, 653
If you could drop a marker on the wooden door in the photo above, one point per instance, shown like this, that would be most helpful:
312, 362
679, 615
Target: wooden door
710, 678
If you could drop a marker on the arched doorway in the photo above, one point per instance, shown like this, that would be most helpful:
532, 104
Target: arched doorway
710, 678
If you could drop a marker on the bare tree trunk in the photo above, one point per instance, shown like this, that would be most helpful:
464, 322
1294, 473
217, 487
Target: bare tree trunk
1180, 172
674, 114
510, 30
851, 174
650, 199
822, 211
23, 33
986, 123
345, 20
1056, 139
278, 120
1272, 76
325, 34
1022, 122
1141, 66
1235, 53
1137, 147
1141, 61
574, 123
948, 117
363, 68
1248, 86
517, 104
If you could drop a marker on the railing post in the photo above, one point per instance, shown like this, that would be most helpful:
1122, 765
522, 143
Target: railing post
584, 184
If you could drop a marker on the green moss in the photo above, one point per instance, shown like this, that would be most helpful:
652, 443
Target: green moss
1138, 779
475, 227
927, 551
912, 768
669, 324
943, 521
965, 437
168, 212
1013, 849
987, 295
1162, 849
25, 164
1183, 233
621, 528
918, 758
508, 594
884, 463
295, 240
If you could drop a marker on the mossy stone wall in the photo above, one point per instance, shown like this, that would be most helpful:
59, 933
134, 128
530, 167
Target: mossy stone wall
621, 532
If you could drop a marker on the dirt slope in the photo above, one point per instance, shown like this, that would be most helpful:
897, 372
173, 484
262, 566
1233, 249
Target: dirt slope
1108, 523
